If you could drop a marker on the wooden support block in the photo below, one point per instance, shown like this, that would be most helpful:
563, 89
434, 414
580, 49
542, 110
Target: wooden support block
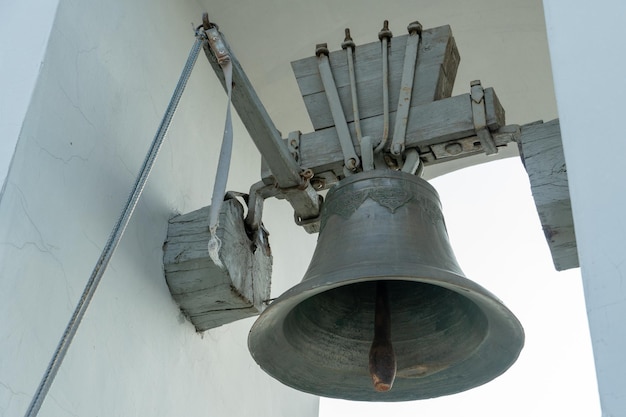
207, 294
541, 151
437, 63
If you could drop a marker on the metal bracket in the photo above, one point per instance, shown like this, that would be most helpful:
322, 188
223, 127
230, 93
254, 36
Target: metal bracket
479, 114
471, 145
256, 197
220, 51
305, 197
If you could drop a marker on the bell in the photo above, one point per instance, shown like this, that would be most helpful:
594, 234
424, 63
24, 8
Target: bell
384, 312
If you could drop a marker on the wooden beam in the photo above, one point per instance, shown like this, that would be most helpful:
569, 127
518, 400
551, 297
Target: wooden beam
258, 123
541, 151
428, 124
436, 67
284, 168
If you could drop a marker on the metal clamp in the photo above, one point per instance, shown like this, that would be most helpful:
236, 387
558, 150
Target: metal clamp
479, 114
216, 43
307, 196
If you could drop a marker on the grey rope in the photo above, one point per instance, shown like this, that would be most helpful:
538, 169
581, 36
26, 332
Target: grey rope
115, 236
226, 150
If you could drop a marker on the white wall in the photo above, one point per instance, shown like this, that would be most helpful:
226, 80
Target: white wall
109, 70
25, 30
587, 52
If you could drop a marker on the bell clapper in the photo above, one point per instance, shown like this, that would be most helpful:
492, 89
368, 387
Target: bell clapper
382, 360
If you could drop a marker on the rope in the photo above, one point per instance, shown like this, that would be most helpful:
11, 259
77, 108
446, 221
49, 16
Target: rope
116, 235
226, 150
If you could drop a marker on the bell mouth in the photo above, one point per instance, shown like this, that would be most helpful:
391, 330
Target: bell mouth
449, 335
432, 328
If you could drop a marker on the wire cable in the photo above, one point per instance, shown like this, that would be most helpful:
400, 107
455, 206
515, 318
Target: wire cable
116, 234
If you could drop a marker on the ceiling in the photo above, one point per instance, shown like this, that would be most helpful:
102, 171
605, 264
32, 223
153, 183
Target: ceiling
501, 42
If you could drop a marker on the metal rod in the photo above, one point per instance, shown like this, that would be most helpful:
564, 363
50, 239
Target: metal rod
406, 89
385, 35
115, 236
348, 45
367, 153
351, 159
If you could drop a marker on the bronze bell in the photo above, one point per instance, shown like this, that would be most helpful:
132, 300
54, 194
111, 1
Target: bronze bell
384, 294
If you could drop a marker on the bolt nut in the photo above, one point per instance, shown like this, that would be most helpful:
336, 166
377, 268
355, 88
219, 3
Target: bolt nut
385, 32
415, 27
321, 49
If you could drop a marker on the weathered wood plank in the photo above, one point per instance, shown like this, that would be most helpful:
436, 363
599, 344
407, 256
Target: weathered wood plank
541, 151
494, 110
207, 294
438, 121
437, 63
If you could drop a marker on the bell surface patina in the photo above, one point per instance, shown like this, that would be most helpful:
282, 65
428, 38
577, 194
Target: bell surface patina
448, 333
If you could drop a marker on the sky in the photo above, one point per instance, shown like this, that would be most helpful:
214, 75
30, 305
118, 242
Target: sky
497, 238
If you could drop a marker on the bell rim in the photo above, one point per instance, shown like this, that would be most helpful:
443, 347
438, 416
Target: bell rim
503, 326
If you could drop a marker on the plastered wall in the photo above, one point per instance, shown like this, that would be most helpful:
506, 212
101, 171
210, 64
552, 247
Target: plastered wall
105, 81
588, 67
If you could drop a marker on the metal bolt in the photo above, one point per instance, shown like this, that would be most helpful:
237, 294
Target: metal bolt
397, 149
348, 42
351, 165
454, 148
385, 32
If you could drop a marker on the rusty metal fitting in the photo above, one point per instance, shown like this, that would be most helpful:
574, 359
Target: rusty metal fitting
321, 49
206, 23
348, 42
307, 174
318, 183
414, 27
385, 33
